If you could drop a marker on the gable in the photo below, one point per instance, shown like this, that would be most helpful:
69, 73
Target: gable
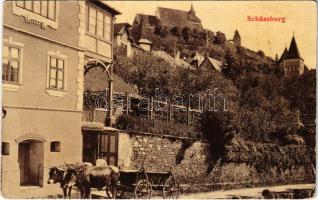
212, 64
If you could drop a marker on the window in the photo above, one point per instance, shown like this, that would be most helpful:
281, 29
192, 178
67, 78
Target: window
56, 73
11, 64
99, 23
5, 148
108, 150
55, 146
56, 76
107, 27
46, 9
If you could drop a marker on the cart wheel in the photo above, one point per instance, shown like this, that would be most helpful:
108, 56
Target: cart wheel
143, 189
120, 192
171, 189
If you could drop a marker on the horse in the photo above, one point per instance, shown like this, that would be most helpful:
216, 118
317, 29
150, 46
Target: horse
66, 180
96, 177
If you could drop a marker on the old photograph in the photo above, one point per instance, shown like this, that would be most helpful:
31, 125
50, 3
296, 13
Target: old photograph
158, 99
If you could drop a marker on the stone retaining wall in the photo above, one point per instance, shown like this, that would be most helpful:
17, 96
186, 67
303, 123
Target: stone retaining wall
186, 158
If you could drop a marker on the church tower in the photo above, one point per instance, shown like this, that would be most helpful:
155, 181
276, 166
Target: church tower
291, 60
192, 17
237, 39
192, 12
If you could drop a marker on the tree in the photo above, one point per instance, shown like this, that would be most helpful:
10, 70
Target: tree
176, 31
144, 70
220, 38
195, 34
261, 53
186, 33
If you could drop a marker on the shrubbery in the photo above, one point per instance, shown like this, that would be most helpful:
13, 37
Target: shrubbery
161, 127
263, 156
234, 173
274, 163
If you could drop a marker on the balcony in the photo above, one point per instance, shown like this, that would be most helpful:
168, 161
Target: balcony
95, 115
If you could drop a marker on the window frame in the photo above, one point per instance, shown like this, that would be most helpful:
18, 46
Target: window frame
3, 145
55, 146
105, 15
10, 59
57, 70
104, 147
8, 85
31, 16
51, 90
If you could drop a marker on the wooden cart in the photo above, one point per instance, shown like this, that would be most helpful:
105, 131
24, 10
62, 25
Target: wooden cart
141, 183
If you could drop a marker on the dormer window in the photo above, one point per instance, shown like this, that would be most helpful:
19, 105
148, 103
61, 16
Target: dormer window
39, 12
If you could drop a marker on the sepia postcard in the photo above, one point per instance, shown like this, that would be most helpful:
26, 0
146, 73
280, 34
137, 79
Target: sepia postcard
158, 99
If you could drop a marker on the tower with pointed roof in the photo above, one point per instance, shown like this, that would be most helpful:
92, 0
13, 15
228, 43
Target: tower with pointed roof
192, 17
237, 39
191, 12
291, 61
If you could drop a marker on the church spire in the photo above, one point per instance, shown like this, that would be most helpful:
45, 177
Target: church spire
192, 12
236, 34
293, 51
284, 55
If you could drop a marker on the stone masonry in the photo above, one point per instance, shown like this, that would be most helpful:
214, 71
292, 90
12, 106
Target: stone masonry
186, 158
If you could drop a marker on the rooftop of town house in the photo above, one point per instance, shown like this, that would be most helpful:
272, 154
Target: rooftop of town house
144, 41
215, 63
118, 27
173, 61
104, 5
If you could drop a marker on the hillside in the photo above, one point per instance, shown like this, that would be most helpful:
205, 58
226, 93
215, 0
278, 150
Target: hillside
206, 42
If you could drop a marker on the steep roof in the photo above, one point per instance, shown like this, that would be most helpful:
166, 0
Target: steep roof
144, 41
119, 26
147, 19
215, 63
173, 61
105, 6
180, 18
293, 51
236, 34
283, 56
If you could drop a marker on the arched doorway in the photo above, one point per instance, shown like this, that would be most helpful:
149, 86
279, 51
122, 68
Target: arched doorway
31, 159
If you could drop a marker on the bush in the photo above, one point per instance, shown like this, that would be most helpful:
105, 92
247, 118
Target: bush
234, 173
293, 175
289, 163
156, 126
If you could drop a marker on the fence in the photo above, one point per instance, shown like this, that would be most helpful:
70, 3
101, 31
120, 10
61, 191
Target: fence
159, 114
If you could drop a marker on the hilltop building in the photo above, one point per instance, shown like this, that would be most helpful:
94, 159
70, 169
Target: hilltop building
291, 61
145, 25
237, 39
178, 18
